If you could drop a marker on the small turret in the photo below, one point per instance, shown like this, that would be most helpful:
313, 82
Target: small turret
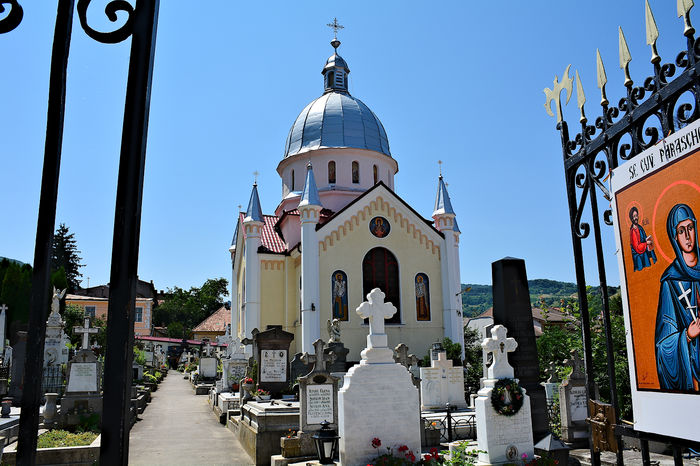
309, 215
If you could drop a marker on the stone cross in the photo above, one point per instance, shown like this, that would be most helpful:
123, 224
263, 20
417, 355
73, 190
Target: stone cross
376, 310
576, 364
86, 330
319, 360
402, 357
553, 373
499, 346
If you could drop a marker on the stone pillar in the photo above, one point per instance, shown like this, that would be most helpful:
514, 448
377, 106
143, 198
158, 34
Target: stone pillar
253, 231
310, 308
451, 286
512, 309
234, 294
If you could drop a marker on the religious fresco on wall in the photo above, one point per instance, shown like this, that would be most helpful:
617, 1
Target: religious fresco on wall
379, 227
657, 221
422, 297
339, 293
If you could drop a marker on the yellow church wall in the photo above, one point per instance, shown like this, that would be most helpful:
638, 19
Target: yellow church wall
272, 291
342, 246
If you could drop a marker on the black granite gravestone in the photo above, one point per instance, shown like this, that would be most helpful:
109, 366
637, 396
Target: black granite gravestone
271, 351
512, 309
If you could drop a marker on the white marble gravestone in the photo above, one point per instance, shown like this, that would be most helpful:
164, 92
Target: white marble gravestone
207, 368
378, 398
234, 364
55, 349
442, 383
503, 439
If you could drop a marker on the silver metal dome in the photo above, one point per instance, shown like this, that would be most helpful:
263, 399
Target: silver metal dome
336, 119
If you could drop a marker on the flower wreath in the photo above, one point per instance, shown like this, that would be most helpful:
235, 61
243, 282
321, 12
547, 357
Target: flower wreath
507, 397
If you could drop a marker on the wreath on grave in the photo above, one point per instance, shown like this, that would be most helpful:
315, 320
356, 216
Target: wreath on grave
507, 397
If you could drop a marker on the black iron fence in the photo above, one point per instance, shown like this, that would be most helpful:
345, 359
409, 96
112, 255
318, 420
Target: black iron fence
54, 380
451, 425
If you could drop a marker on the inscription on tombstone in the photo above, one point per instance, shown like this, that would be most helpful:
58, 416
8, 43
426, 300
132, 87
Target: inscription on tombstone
573, 401
319, 403
273, 365
270, 350
82, 377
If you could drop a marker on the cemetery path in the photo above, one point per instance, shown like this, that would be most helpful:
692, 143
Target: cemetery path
178, 427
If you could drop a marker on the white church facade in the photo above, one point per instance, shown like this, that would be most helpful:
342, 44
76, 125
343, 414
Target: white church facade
339, 231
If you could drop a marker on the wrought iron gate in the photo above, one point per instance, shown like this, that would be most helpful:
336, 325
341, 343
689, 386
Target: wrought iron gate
140, 25
647, 114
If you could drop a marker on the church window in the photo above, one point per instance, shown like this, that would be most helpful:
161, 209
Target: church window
380, 269
355, 172
422, 297
339, 293
292, 184
374, 172
331, 171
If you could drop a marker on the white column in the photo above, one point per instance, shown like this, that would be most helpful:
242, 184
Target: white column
234, 294
456, 313
310, 306
253, 230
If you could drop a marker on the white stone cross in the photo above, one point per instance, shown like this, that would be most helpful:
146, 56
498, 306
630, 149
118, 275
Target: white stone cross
86, 330
499, 345
376, 310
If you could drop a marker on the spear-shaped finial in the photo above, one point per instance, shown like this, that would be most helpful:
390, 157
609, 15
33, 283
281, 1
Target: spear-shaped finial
580, 98
602, 78
652, 33
554, 94
625, 58
684, 7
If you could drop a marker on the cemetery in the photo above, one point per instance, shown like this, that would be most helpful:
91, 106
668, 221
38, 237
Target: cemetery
344, 333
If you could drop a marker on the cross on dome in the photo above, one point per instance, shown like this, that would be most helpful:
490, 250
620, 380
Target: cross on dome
336, 26
500, 345
376, 310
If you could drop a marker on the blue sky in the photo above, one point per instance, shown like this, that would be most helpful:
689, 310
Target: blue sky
454, 81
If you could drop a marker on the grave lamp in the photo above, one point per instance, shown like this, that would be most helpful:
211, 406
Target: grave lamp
326, 441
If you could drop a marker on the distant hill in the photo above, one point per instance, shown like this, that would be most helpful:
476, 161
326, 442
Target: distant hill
480, 297
11, 260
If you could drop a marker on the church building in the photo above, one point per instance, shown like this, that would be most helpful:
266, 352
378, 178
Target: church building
340, 231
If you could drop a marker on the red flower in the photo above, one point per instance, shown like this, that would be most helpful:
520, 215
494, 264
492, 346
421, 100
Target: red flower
433, 451
412, 457
403, 448
376, 443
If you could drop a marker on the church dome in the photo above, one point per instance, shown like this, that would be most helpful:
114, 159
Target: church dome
336, 119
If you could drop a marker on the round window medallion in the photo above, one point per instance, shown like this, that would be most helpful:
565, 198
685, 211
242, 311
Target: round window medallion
379, 227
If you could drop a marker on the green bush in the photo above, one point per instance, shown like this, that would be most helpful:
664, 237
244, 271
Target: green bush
63, 438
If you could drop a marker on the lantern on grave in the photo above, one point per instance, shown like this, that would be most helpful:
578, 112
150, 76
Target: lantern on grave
326, 441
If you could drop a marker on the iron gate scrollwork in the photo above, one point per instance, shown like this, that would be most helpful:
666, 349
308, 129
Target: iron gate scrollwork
644, 116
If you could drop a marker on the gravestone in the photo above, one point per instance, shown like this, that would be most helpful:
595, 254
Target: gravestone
83, 392
3, 319
512, 309
271, 350
298, 368
234, 366
18, 354
442, 383
378, 398
551, 386
573, 404
207, 368
55, 349
504, 437
336, 347
409, 361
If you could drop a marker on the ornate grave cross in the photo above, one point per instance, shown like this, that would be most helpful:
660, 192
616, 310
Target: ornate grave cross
86, 330
376, 310
402, 357
551, 370
499, 346
319, 360
576, 364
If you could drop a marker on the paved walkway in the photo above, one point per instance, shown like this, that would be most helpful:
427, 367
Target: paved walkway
178, 427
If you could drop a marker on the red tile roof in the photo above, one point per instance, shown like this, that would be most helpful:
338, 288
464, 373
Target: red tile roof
216, 322
270, 239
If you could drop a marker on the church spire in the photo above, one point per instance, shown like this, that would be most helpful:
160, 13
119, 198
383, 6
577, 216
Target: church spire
442, 200
335, 73
254, 211
309, 196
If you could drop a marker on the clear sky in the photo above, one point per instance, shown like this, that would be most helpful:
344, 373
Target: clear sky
454, 81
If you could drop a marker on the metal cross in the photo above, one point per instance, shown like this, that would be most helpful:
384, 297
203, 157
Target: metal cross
3, 308
440, 166
376, 310
335, 25
255, 174
402, 357
86, 330
685, 295
320, 360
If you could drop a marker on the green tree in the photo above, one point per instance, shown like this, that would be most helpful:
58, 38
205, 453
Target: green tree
64, 253
473, 360
190, 307
73, 316
176, 330
16, 292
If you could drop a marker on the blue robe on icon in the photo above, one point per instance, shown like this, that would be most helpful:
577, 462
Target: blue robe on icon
677, 360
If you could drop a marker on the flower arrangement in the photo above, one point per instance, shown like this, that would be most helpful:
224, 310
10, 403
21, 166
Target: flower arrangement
248, 381
291, 433
507, 397
261, 392
405, 456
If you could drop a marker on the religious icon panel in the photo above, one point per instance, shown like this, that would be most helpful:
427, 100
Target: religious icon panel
379, 227
422, 297
339, 292
657, 200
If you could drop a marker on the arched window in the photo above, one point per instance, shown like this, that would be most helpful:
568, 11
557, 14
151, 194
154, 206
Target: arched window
339, 294
331, 172
355, 172
422, 297
381, 270
374, 172
292, 185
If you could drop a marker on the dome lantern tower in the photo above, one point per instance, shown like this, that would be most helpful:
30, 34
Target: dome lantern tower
335, 73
